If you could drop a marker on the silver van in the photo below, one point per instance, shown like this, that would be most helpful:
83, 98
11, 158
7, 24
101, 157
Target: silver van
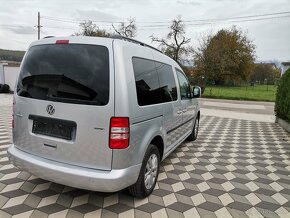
100, 113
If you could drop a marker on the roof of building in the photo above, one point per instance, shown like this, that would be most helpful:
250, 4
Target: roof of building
286, 63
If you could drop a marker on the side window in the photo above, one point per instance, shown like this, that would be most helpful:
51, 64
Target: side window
167, 82
147, 82
184, 85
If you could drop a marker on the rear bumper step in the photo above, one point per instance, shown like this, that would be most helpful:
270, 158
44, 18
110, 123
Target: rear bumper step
78, 177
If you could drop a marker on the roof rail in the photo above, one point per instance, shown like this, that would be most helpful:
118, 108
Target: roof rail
134, 41
47, 37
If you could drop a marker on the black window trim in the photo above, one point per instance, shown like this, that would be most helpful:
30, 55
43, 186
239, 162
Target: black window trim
158, 79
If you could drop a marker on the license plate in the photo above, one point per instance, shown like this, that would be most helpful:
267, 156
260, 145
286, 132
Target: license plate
53, 127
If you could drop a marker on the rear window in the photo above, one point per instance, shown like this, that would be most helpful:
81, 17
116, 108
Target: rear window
71, 73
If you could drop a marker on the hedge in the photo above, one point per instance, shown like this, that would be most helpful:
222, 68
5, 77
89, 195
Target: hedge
282, 105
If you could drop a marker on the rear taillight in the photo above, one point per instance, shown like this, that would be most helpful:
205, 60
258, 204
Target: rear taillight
119, 132
13, 111
62, 41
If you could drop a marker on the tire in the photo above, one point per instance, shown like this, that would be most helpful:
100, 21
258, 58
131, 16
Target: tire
1, 88
141, 189
193, 135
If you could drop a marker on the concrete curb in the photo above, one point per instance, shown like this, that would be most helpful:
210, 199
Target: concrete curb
284, 124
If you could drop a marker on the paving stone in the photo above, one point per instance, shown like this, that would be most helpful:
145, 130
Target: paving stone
187, 192
241, 192
27, 186
173, 213
38, 214
118, 208
3, 200
235, 168
237, 213
206, 213
14, 193
268, 206
239, 206
17, 209
52, 208
181, 207
4, 214
210, 206
72, 214
32, 200
65, 200
86, 208
149, 207
11, 181
45, 193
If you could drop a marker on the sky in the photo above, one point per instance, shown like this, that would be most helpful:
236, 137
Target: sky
271, 36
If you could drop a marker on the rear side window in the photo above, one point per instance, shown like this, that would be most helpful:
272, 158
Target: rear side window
147, 84
72, 73
167, 82
155, 82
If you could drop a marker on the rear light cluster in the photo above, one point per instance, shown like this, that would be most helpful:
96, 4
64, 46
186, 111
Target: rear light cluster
62, 41
119, 132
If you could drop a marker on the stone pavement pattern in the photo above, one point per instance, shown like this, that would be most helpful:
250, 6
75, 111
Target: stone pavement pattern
236, 168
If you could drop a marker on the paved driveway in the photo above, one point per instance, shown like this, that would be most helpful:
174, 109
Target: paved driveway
236, 168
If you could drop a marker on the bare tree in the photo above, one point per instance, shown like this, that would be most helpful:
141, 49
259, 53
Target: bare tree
88, 28
127, 29
175, 45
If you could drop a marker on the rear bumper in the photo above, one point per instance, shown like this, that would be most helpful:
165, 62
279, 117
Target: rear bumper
79, 177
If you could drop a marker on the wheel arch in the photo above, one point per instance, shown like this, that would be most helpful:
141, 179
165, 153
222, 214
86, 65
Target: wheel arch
159, 143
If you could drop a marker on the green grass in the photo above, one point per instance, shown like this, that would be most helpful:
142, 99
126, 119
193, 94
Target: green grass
253, 93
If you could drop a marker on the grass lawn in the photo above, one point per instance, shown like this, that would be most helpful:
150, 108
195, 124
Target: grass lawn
254, 93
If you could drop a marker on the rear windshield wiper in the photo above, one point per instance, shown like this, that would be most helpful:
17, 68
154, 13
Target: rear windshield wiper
73, 100
23, 93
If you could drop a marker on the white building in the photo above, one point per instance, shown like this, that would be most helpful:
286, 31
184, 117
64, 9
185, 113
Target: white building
285, 66
9, 72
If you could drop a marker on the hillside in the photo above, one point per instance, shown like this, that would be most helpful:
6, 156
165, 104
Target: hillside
9, 55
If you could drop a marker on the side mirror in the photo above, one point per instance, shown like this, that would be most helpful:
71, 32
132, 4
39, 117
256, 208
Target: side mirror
196, 92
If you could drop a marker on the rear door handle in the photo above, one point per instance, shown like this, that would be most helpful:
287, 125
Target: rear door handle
179, 112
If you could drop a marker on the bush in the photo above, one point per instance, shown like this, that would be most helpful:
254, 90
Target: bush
282, 106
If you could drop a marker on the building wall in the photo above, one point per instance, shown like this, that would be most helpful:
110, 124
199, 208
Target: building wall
1, 73
10, 76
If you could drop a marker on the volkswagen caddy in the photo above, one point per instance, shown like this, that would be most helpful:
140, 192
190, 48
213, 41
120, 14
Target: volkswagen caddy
100, 113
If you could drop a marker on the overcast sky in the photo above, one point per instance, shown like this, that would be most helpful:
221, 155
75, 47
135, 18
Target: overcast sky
271, 36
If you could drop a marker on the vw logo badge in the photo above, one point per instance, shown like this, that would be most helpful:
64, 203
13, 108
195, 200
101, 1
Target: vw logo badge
50, 109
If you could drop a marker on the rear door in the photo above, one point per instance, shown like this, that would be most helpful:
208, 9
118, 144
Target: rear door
64, 102
172, 108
